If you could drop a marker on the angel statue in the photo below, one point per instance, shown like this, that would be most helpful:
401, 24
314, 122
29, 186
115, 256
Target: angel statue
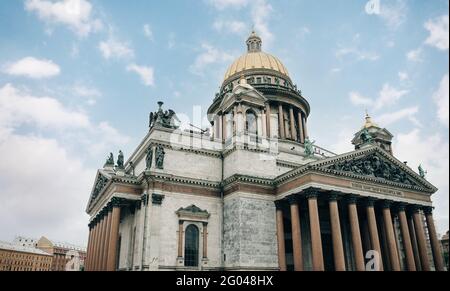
309, 147
422, 172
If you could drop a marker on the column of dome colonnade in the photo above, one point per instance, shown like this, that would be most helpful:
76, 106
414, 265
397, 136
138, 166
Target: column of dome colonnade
290, 207
103, 238
226, 125
297, 122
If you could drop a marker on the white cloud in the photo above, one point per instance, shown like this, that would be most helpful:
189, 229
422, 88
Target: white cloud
393, 13
84, 91
33, 68
222, 4
352, 50
389, 96
145, 73
172, 40
115, 49
209, 56
357, 99
359, 54
415, 55
335, 70
438, 29
45, 183
393, 117
260, 12
403, 76
75, 14
432, 151
148, 32
441, 97
232, 26
18, 107
39, 193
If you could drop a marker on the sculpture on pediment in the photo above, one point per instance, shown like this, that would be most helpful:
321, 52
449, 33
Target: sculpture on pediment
120, 160
165, 119
149, 158
374, 166
365, 136
99, 185
159, 159
110, 160
422, 172
309, 147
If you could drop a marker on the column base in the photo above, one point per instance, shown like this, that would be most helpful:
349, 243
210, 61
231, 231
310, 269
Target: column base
180, 262
205, 262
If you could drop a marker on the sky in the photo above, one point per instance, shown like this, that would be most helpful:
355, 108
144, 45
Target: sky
78, 79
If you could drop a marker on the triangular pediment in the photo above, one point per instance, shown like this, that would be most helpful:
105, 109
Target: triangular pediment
100, 183
375, 165
243, 93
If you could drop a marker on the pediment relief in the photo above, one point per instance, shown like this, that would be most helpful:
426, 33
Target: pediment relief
100, 183
376, 165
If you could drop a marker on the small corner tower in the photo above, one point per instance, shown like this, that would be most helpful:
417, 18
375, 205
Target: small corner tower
372, 134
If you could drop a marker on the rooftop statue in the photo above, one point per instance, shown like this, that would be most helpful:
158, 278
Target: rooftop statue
365, 136
120, 160
165, 119
309, 147
422, 172
110, 160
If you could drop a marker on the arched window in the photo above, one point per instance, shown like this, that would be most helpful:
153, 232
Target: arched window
191, 246
251, 125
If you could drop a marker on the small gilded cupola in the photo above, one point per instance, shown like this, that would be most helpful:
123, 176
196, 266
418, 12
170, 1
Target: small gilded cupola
254, 43
372, 134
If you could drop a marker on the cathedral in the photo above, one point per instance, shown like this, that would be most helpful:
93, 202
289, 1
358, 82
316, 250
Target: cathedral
254, 193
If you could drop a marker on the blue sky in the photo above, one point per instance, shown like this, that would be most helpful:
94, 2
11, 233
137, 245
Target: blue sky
78, 79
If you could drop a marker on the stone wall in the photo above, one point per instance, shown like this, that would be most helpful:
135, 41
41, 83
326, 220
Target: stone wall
250, 233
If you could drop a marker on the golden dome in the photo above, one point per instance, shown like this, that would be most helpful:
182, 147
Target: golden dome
255, 59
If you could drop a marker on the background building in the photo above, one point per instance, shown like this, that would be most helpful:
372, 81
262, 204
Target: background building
66, 257
445, 247
14, 257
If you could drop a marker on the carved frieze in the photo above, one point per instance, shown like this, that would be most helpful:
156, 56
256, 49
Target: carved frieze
375, 166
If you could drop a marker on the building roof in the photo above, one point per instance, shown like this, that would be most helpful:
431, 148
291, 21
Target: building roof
62, 245
255, 59
22, 249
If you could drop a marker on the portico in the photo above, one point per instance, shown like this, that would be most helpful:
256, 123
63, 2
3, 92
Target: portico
326, 223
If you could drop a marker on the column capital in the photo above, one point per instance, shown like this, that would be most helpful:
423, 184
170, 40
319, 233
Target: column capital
370, 201
386, 204
117, 202
180, 222
401, 207
293, 199
334, 195
157, 199
415, 208
428, 210
205, 223
279, 204
311, 193
351, 199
